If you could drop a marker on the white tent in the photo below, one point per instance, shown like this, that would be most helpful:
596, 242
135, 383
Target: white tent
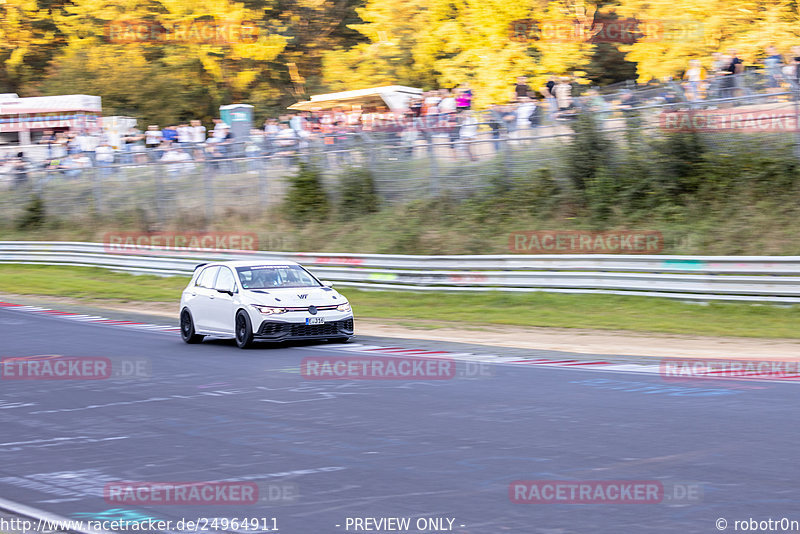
11, 104
393, 97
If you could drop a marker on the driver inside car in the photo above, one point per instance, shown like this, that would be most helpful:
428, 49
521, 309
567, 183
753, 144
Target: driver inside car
266, 279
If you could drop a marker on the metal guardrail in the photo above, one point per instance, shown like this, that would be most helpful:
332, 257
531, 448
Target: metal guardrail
773, 279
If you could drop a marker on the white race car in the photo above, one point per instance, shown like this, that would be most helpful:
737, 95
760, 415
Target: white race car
266, 301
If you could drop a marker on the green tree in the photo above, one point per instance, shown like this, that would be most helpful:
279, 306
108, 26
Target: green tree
134, 85
608, 65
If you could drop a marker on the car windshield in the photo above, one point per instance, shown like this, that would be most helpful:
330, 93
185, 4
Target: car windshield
273, 276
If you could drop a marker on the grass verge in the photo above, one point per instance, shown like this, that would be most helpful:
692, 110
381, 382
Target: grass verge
606, 312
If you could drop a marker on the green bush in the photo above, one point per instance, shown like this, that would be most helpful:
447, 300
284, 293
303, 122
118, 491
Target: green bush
602, 195
535, 195
306, 200
681, 155
34, 216
357, 194
588, 152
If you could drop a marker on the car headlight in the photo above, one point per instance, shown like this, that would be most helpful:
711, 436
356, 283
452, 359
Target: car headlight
269, 310
344, 307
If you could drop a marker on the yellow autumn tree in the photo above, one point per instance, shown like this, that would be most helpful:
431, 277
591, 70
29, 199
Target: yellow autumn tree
121, 50
443, 43
688, 29
28, 41
392, 30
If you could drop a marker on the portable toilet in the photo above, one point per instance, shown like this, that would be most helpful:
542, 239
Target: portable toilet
239, 117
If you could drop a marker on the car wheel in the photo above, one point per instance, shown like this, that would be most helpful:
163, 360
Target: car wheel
244, 330
187, 328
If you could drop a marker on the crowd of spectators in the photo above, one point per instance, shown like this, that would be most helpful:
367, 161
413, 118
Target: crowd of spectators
726, 77
445, 113
71, 153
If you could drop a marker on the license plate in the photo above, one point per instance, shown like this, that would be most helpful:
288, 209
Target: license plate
315, 320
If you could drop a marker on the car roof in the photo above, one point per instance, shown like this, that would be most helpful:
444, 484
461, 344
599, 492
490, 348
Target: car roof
251, 263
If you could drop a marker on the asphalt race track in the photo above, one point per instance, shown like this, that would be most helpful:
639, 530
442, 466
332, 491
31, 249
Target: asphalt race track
343, 449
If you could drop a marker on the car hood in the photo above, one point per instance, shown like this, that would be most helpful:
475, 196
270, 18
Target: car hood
294, 296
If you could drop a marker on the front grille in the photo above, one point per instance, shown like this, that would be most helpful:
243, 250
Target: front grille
335, 328
319, 308
269, 329
327, 329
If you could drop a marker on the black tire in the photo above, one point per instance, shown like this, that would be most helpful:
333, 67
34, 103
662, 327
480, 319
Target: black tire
244, 330
187, 329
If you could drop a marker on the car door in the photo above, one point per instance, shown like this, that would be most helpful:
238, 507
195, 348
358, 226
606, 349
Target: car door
221, 307
202, 297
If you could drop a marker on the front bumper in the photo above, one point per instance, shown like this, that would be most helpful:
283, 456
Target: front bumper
280, 331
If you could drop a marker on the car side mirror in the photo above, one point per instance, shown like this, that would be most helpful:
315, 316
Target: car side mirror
228, 288
327, 283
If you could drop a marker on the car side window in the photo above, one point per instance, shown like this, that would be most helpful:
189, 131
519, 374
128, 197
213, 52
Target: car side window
225, 280
207, 277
